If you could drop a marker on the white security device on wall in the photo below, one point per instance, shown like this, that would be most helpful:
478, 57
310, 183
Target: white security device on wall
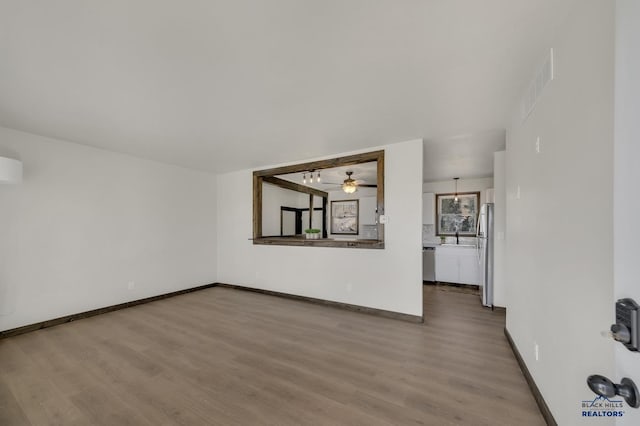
10, 170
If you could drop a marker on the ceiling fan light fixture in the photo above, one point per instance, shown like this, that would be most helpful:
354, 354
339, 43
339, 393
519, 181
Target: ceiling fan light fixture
318, 178
349, 187
304, 178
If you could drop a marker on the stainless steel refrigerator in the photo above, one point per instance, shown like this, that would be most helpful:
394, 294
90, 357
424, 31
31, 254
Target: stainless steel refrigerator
485, 246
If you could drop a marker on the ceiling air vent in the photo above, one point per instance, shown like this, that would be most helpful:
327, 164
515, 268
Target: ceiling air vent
543, 76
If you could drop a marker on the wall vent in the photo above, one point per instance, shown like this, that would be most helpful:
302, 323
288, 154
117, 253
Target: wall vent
542, 77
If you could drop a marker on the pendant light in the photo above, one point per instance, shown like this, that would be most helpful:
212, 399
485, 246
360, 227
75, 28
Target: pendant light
455, 196
310, 172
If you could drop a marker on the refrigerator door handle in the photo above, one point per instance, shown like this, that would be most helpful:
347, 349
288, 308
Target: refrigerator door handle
478, 237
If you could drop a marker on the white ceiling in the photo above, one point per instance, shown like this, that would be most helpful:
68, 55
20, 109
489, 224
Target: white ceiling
463, 156
220, 85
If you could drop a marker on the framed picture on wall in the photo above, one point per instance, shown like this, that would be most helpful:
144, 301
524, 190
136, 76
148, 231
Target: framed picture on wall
344, 217
459, 216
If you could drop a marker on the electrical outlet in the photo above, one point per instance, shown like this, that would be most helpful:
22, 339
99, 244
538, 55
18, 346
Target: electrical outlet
132, 285
536, 349
538, 145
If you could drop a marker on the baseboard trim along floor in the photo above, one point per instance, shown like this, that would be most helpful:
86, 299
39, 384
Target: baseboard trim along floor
542, 404
94, 312
87, 314
339, 305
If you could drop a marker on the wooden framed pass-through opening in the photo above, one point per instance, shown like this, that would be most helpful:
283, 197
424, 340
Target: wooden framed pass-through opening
280, 178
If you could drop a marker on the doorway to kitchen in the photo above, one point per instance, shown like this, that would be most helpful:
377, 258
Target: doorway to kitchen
458, 237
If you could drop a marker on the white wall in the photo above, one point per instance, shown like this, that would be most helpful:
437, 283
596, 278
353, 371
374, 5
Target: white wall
464, 185
387, 279
86, 222
274, 197
559, 231
499, 227
626, 177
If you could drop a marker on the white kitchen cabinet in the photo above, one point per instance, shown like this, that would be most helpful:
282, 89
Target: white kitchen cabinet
457, 264
469, 268
447, 269
428, 208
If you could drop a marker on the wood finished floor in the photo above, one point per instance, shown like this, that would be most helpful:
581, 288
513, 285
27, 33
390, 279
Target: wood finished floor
228, 357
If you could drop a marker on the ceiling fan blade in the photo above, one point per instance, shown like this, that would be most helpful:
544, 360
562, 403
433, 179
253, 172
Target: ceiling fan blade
331, 183
367, 185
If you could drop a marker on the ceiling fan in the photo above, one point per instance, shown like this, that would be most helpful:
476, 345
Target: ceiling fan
350, 185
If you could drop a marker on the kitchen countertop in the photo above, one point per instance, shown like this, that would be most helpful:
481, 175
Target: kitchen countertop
467, 246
